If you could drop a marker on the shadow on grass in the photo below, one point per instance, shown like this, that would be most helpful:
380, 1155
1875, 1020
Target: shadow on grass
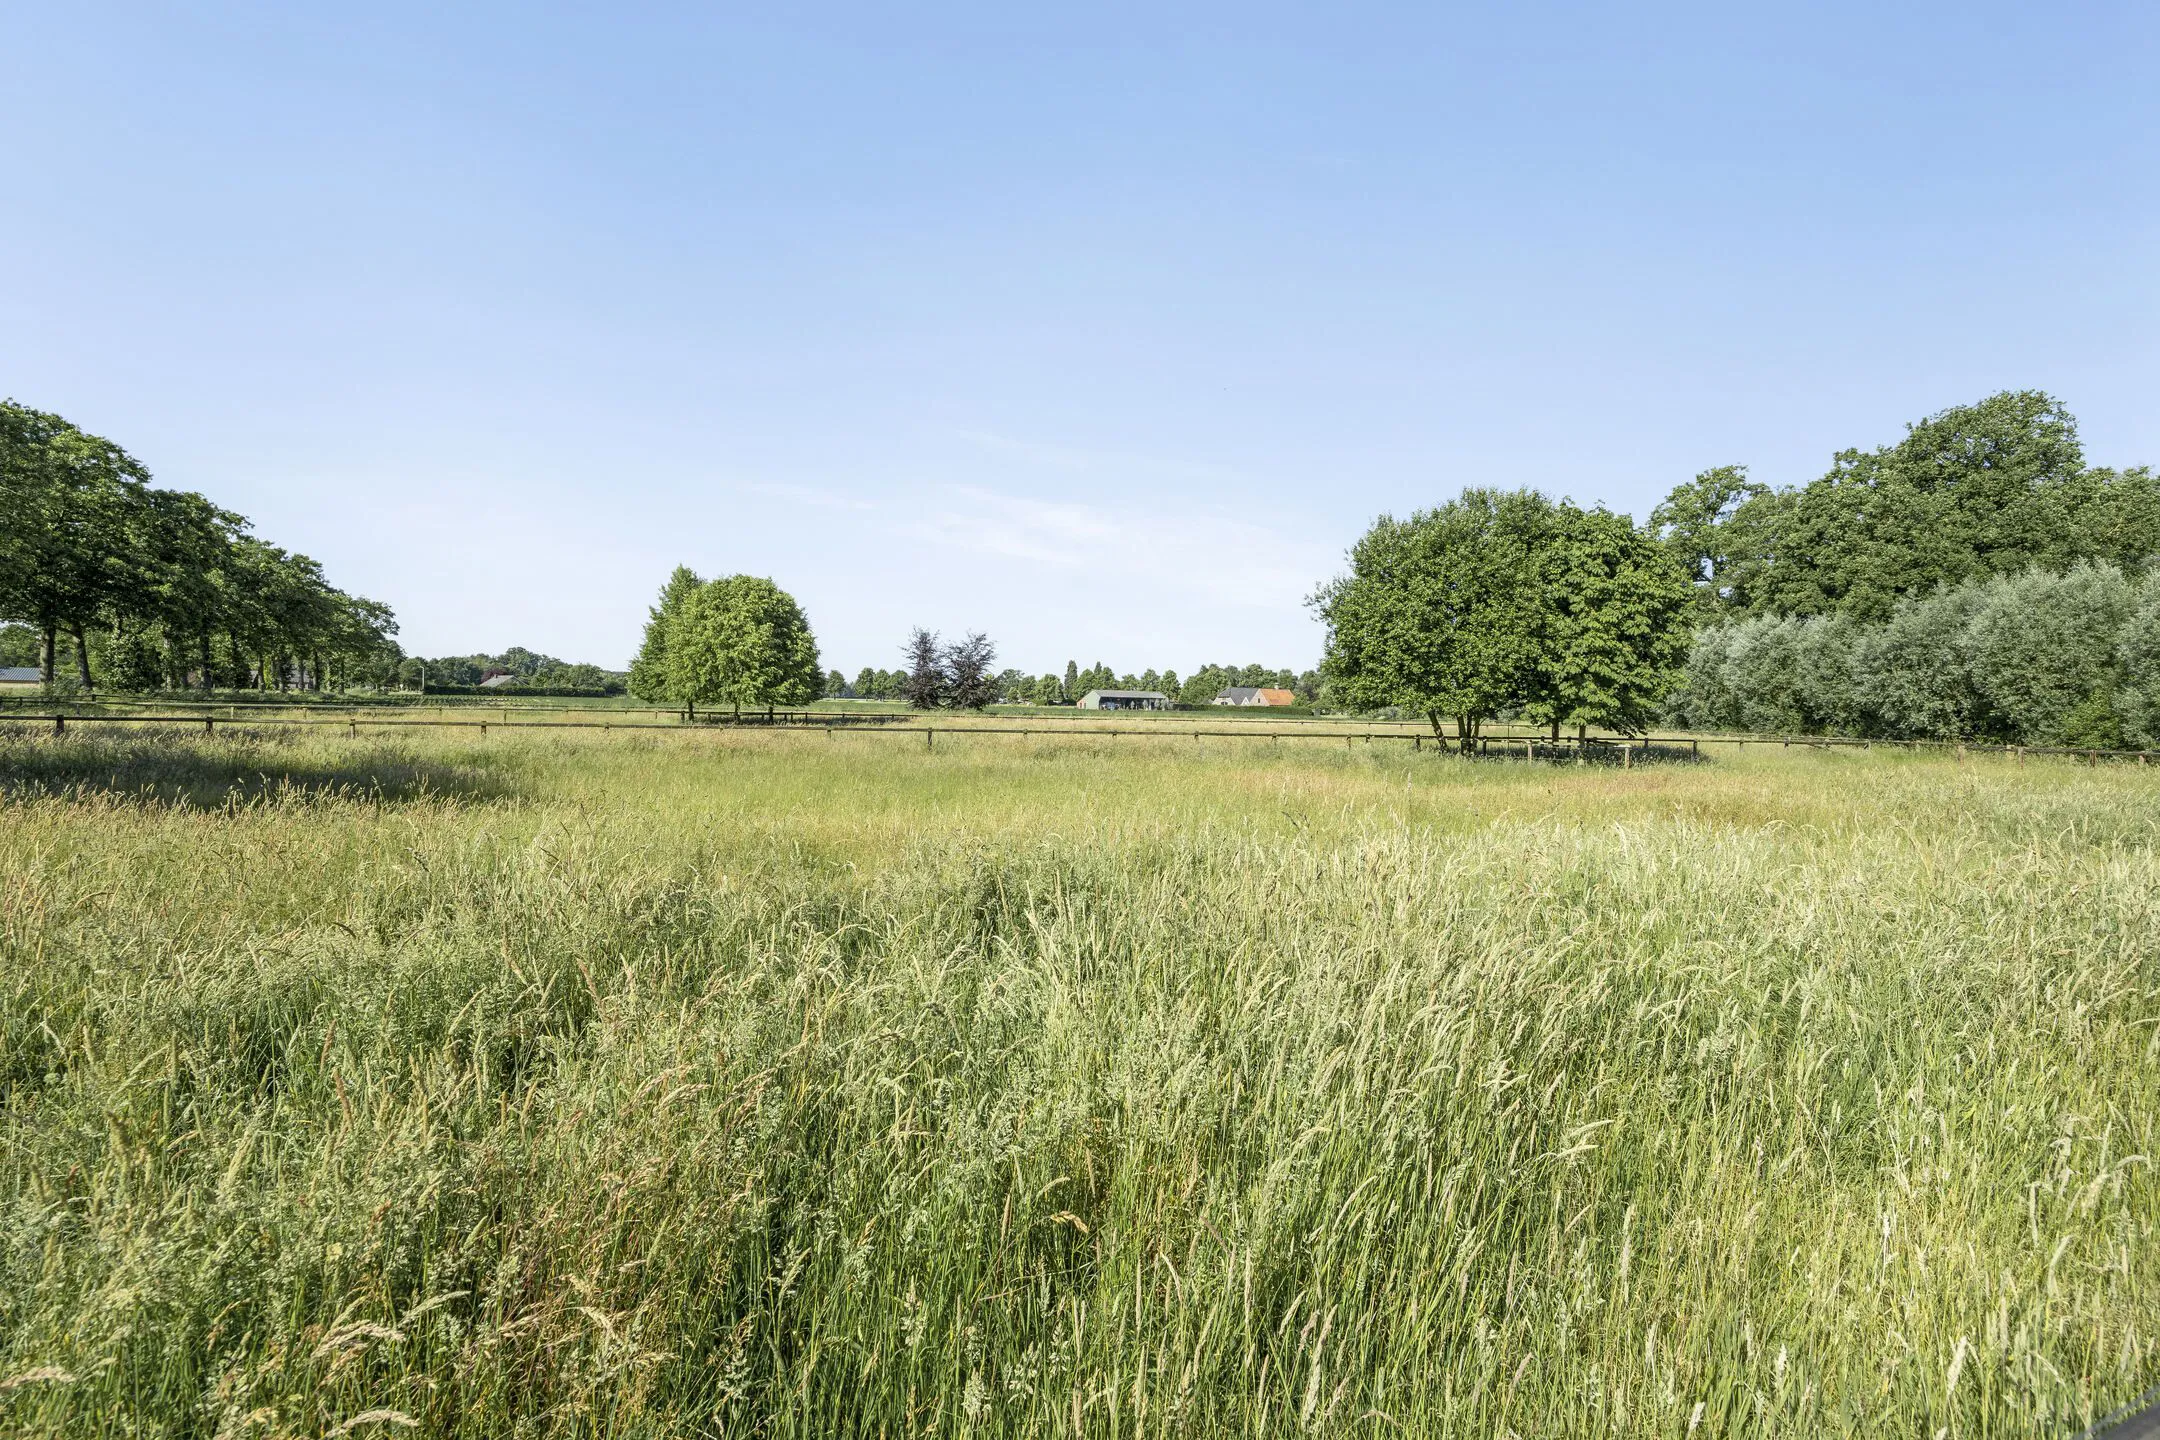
234, 767
1604, 754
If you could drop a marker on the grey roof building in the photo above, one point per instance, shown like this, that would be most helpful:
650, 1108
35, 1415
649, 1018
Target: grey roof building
19, 675
1124, 700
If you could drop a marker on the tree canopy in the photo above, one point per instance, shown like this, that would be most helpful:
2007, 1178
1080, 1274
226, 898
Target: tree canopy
1992, 488
161, 588
738, 640
1504, 601
649, 678
1610, 628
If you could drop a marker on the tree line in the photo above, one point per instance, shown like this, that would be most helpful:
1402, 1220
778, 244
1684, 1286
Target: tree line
1976, 579
1016, 687
2038, 657
527, 670
1992, 488
161, 589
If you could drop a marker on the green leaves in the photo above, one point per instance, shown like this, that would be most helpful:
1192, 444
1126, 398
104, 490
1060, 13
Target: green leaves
88, 541
2040, 658
1992, 488
739, 640
649, 675
1612, 622
1506, 601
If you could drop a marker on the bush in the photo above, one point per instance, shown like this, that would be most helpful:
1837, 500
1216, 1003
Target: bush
2042, 647
2137, 658
1914, 677
1762, 669
2035, 658
1824, 649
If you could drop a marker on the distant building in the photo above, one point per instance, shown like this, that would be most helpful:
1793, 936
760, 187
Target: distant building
1255, 695
19, 675
496, 682
1124, 700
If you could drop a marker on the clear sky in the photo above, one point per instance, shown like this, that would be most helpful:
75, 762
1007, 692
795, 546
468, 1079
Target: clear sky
1103, 328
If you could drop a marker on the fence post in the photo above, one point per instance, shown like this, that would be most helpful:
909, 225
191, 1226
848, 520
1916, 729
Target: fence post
59, 726
483, 729
929, 739
209, 726
354, 727
1627, 756
1417, 742
1694, 749
2020, 754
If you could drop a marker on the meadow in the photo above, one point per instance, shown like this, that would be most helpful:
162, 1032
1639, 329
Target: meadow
740, 1083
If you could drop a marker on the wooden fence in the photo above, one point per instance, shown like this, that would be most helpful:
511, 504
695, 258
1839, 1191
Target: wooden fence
1626, 751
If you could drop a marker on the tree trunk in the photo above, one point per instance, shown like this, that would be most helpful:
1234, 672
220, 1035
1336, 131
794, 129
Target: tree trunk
205, 649
82, 660
45, 656
1556, 732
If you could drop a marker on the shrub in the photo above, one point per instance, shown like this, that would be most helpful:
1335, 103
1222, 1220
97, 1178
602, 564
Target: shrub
1913, 674
2137, 657
2041, 646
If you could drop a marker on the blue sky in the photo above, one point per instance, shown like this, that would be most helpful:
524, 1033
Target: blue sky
1105, 329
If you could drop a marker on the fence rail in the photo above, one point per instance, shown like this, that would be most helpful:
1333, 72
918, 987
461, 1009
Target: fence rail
1625, 749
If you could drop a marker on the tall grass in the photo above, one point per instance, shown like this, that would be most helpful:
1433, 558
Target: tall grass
807, 1085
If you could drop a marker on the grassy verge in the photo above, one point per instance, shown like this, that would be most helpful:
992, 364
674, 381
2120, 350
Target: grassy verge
729, 1082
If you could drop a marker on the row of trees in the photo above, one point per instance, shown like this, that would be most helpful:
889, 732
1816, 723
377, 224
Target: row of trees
954, 677
1507, 603
1975, 579
156, 589
528, 669
1995, 488
738, 640
1015, 687
2037, 658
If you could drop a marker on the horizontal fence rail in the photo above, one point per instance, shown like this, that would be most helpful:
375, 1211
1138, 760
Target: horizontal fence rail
1625, 749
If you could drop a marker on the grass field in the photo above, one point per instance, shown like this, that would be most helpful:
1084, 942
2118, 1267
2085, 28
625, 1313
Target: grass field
790, 1084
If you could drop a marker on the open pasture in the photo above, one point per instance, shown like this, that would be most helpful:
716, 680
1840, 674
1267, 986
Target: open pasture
734, 1082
